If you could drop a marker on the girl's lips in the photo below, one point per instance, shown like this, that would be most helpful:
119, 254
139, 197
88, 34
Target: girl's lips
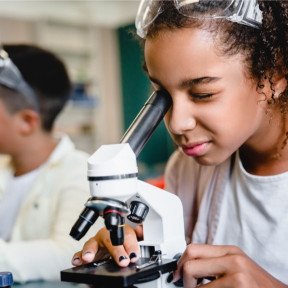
196, 150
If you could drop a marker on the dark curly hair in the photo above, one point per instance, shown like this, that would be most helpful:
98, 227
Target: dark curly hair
265, 49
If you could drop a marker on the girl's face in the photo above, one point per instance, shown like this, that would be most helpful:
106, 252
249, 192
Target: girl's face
216, 108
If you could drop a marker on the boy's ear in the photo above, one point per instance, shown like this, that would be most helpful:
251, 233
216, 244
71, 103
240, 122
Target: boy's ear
29, 121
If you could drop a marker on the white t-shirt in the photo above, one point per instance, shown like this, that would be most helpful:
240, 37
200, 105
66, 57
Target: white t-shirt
249, 203
226, 205
15, 192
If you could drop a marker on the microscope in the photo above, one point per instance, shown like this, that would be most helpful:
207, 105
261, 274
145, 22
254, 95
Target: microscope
120, 198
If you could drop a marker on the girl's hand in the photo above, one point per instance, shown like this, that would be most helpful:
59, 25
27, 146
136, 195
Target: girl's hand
100, 245
229, 266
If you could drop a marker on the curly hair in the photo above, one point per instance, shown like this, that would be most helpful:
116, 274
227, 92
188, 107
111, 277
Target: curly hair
265, 50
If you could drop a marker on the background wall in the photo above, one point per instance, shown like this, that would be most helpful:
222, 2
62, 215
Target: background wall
136, 89
104, 61
91, 55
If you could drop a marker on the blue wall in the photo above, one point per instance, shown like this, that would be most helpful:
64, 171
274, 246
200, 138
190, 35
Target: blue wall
136, 89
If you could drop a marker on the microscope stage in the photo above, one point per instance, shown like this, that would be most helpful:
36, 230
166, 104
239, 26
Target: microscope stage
111, 275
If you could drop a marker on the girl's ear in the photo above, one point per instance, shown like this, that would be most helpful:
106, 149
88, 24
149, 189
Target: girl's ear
29, 121
274, 88
280, 85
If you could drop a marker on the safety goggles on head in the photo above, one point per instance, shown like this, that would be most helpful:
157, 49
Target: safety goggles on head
11, 77
244, 12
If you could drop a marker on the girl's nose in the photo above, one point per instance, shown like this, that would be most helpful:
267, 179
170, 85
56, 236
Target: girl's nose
181, 118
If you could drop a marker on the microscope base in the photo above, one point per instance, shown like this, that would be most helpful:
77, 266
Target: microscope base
111, 275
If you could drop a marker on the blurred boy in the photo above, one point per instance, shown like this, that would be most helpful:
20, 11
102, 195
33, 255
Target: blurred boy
43, 184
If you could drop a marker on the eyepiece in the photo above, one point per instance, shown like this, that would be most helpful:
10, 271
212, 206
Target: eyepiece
86, 219
147, 120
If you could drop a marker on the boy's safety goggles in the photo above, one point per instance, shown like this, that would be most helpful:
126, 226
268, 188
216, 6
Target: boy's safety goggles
244, 12
11, 77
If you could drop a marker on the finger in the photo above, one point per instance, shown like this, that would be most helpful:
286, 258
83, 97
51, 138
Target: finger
89, 250
196, 271
76, 259
197, 251
234, 280
189, 281
139, 232
203, 268
118, 253
217, 268
102, 254
189, 276
219, 283
131, 244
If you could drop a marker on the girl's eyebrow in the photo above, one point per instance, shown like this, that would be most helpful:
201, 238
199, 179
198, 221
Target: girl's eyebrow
190, 82
198, 81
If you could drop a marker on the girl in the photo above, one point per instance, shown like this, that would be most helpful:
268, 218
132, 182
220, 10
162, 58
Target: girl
224, 64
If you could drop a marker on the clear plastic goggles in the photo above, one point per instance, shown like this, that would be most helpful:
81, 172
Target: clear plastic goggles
11, 77
244, 12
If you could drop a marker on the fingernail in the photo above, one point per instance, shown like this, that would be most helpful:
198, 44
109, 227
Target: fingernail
76, 260
121, 258
88, 256
170, 278
132, 255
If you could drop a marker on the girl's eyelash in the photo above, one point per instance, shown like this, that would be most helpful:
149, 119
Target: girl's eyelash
200, 96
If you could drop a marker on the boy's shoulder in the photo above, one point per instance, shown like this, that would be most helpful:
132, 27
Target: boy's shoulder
66, 151
4, 161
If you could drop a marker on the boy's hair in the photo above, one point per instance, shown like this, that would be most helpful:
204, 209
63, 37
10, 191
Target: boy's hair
48, 77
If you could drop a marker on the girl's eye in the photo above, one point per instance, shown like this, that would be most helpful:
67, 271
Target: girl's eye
201, 96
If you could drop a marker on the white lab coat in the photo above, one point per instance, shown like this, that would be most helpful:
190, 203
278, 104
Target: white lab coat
40, 245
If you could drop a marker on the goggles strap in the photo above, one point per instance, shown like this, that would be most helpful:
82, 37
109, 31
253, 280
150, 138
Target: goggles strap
11, 78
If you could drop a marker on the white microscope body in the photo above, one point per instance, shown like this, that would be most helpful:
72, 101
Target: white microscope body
119, 197
114, 170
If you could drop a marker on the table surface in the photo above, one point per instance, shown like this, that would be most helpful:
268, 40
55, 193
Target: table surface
42, 284
59, 284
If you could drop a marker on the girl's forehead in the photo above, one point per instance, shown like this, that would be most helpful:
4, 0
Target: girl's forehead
190, 40
173, 57
178, 41
209, 29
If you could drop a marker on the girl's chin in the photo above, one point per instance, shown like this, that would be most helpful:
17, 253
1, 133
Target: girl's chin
209, 161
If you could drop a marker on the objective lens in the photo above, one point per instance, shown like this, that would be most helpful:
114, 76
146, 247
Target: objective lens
114, 222
86, 219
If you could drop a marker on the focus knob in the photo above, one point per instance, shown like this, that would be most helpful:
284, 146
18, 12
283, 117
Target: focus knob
138, 213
